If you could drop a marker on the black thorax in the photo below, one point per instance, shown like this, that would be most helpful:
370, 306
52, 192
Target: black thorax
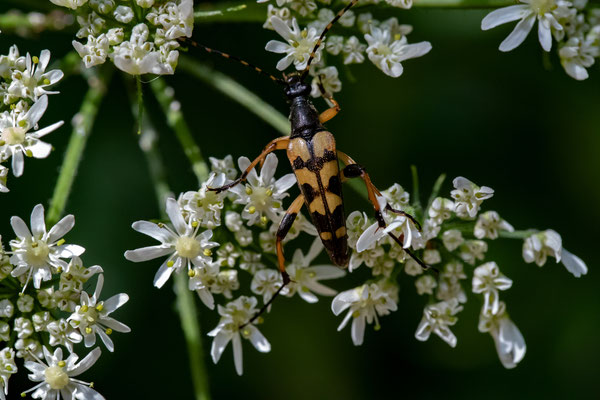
304, 118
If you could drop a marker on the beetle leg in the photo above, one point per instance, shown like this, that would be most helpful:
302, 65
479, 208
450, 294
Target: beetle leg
331, 112
284, 227
353, 170
276, 144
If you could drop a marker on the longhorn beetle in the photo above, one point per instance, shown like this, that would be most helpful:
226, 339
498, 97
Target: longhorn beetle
314, 158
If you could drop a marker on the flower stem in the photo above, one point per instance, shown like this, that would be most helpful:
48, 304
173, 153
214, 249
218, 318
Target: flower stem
166, 98
186, 307
250, 11
236, 92
83, 122
140, 103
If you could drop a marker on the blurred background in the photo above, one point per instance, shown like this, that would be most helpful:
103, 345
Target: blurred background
515, 122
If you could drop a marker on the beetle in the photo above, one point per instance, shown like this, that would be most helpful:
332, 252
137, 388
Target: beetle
314, 157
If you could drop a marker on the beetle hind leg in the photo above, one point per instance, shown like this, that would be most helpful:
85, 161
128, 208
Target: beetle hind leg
284, 227
353, 170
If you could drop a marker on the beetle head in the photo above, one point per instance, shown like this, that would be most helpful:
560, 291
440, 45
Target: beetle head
295, 86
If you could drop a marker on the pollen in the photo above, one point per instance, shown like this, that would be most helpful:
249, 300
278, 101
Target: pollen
251, 209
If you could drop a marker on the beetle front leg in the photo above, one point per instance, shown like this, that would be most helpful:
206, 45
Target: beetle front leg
276, 144
353, 170
284, 226
331, 112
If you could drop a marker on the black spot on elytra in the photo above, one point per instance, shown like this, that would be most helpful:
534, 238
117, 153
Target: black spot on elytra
335, 185
309, 192
298, 163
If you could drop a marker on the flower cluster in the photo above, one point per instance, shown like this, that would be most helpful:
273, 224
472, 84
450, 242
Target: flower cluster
24, 88
453, 239
139, 37
575, 28
44, 307
214, 236
384, 43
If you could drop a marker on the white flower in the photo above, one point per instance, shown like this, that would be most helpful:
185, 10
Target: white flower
305, 279
31, 82
202, 280
489, 223
576, 55
441, 209
400, 226
175, 18
412, 268
224, 166
452, 239
282, 13
510, 344
298, 44
72, 4
233, 315
38, 255
250, 262
473, 250
468, 197
62, 333
432, 256
539, 246
353, 51
545, 11
92, 316
184, 245
23, 327
387, 53
7, 368
324, 17
16, 141
449, 283
303, 7
488, 279
396, 196
3, 175
204, 206
328, 77
94, 52
25, 303
7, 308
334, 44
400, 3
123, 14
102, 6
266, 282
437, 318
137, 56
364, 304
56, 376
262, 195
425, 284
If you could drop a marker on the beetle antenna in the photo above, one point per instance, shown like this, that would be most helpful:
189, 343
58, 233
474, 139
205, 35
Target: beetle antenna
320, 40
234, 58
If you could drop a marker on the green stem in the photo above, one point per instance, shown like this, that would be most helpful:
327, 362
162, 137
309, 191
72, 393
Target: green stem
82, 127
436, 190
140, 103
236, 92
166, 98
416, 197
518, 234
250, 11
186, 307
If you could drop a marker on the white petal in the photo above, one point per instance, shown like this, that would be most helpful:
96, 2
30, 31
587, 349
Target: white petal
325, 272
17, 163
237, 354
504, 15
38, 225
574, 264
61, 228
115, 325
218, 346
115, 302
86, 363
509, 344
259, 341
369, 236
174, 213
518, 35
544, 36
39, 149
358, 330
276, 46
163, 274
285, 182
20, 228
37, 110
147, 253
47, 130
106, 340
153, 230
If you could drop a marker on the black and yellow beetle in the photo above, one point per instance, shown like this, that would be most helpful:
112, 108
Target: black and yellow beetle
314, 157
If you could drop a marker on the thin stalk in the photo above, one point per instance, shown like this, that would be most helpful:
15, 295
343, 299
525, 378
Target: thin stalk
436, 190
166, 98
236, 92
140, 103
185, 304
82, 127
249, 11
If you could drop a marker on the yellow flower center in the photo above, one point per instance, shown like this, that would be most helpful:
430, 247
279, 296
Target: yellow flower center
188, 247
37, 254
56, 377
13, 135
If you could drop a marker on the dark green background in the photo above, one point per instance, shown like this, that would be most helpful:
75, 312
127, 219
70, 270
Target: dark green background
515, 122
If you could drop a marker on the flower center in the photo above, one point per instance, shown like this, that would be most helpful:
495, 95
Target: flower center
541, 7
56, 377
13, 135
37, 253
188, 247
